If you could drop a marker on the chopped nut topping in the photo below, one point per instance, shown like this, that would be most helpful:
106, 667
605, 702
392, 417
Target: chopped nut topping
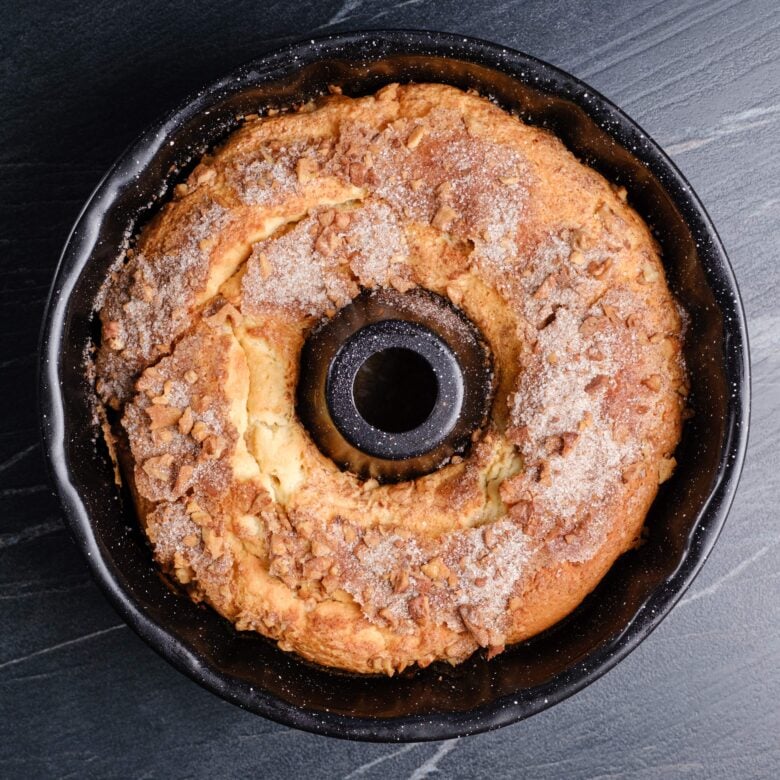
306, 169
413, 141
327, 242
598, 269
326, 218
182, 569
186, 421
598, 382
612, 314
319, 548
317, 568
595, 354
545, 288
213, 447
569, 440
205, 175
163, 416
330, 583
183, 478
163, 436
632, 472
445, 191
387, 615
553, 445
277, 545
215, 544
112, 332
399, 579
419, 609
435, 569
586, 422
521, 511
200, 431
159, 467
444, 218
343, 218
401, 284
265, 266
653, 382
479, 633
357, 174
591, 325
648, 275
372, 538
350, 535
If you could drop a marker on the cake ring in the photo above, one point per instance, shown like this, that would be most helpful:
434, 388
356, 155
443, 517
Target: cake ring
392, 378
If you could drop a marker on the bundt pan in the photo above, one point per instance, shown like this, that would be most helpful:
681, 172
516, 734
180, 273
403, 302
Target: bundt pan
441, 701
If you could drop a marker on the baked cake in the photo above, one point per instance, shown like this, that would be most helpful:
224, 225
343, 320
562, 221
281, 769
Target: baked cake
296, 214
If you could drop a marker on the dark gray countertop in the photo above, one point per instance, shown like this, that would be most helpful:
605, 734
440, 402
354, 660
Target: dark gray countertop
81, 695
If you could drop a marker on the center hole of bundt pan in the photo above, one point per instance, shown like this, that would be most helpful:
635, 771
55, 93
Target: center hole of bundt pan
395, 384
395, 390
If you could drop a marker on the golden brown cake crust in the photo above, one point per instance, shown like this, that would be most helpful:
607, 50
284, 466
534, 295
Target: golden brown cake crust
420, 185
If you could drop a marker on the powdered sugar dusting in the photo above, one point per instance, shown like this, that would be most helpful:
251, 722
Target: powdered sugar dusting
485, 578
178, 425
179, 547
320, 263
376, 244
271, 176
289, 272
484, 183
562, 420
150, 299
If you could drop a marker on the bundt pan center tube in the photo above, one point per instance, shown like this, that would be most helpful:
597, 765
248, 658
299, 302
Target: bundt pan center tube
395, 384
440, 701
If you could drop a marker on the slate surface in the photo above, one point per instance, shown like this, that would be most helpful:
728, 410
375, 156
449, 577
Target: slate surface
80, 695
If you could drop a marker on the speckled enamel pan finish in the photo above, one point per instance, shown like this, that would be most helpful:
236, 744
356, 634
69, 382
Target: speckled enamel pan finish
637, 593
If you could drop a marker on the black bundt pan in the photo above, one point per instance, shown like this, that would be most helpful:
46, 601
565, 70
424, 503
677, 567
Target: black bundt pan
643, 585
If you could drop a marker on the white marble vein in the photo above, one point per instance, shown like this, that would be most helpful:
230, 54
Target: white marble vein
728, 576
31, 532
432, 764
363, 768
730, 124
59, 646
16, 457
